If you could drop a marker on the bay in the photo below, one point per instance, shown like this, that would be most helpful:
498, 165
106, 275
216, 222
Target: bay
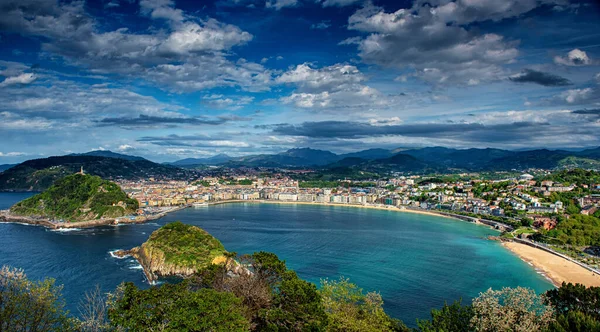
417, 262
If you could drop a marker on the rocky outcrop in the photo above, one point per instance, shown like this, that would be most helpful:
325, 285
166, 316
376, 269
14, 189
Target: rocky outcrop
193, 250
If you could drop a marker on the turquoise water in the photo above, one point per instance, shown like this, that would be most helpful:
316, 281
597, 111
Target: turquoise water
415, 261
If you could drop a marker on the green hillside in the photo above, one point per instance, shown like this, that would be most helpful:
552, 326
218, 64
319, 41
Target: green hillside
40, 174
78, 197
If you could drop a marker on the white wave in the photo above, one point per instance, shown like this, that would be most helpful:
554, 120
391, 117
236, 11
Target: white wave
66, 230
112, 254
136, 267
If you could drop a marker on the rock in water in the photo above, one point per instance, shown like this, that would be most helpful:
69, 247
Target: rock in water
177, 249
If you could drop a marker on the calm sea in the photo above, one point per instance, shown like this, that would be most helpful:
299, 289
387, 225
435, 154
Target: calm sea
417, 262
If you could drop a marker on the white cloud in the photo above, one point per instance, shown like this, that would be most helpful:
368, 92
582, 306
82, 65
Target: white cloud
332, 77
431, 38
575, 57
161, 9
12, 154
24, 78
278, 4
575, 96
125, 147
197, 50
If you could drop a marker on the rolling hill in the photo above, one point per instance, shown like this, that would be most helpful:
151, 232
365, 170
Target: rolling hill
39, 174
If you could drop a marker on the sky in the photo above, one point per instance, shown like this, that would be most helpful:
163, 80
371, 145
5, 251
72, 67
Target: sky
174, 79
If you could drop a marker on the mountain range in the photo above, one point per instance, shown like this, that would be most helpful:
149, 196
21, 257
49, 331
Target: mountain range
39, 174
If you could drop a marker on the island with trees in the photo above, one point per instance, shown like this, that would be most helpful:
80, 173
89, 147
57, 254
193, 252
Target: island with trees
177, 249
75, 199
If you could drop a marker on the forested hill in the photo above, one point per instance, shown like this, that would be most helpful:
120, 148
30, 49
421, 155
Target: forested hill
40, 174
78, 197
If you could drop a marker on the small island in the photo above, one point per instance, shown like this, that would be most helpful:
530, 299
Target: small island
177, 249
77, 200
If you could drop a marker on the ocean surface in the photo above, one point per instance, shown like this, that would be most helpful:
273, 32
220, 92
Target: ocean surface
417, 262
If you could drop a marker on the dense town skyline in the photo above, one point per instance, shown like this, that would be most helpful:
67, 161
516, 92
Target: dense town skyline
173, 79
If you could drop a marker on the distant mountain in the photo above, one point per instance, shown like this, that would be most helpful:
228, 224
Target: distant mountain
6, 166
39, 174
214, 160
369, 154
543, 158
300, 157
108, 154
458, 158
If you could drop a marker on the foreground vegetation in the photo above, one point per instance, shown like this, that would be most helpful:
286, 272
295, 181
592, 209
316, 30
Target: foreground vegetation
78, 197
273, 298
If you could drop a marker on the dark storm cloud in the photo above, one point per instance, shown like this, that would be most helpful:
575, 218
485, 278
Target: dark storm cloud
588, 112
470, 131
160, 121
541, 78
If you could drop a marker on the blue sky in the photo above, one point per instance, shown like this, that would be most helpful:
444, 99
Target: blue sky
171, 79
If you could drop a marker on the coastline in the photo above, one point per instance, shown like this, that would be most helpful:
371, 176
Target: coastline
554, 267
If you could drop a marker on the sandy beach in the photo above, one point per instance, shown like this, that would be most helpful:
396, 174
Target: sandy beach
555, 268
375, 207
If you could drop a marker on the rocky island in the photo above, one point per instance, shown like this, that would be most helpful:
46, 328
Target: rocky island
177, 249
77, 199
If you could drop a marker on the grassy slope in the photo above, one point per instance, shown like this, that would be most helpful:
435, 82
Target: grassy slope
78, 197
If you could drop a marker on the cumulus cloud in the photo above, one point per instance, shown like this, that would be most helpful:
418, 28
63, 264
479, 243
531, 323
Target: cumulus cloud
538, 77
432, 39
161, 9
335, 76
189, 56
575, 57
24, 78
339, 86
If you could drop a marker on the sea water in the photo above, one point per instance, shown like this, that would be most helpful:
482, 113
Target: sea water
416, 262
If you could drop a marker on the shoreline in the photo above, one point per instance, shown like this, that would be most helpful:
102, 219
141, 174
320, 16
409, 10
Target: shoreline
545, 262
555, 268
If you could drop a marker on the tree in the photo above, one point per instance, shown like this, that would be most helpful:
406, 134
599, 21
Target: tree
349, 309
93, 312
296, 306
574, 321
454, 317
175, 307
576, 297
31, 306
510, 309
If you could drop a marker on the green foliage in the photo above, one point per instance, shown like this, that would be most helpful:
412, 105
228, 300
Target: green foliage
296, 306
185, 245
576, 308
578, 230
450, 318
349, 309
174, 307
203, 183
31, 306
40, 174
574, 321
78, 197
245, 182
576, 297
576, 176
